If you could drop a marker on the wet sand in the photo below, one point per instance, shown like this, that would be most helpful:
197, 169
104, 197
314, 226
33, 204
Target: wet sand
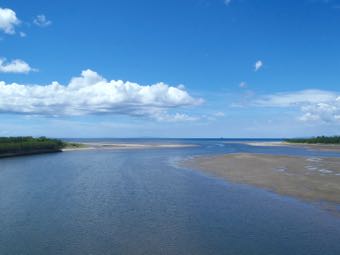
322, 147
309, 178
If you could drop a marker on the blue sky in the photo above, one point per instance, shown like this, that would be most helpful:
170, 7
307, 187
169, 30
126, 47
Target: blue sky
179, 68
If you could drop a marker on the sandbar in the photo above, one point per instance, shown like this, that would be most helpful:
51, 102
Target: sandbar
308, 178
119, 146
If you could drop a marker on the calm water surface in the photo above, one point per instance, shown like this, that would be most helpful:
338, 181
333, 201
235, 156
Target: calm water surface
140, 202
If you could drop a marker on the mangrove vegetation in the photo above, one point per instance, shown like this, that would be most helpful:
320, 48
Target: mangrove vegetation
11, 146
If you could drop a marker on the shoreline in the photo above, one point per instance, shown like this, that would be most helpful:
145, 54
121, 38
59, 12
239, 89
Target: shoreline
99, 146
28, 153
308, 178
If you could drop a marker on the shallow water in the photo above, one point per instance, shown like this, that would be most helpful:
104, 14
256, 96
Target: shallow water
141, 202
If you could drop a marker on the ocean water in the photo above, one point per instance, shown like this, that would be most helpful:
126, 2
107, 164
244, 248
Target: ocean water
141, 202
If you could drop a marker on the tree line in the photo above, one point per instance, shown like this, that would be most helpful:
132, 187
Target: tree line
317, 139
27, 144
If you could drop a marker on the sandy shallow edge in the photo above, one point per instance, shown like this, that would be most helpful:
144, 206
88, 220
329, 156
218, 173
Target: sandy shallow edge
322, 147
308, 178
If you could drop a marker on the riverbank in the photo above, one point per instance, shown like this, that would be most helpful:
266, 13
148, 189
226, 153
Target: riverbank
27, 153
308, 178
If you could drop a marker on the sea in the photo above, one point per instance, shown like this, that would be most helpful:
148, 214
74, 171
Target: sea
142, 201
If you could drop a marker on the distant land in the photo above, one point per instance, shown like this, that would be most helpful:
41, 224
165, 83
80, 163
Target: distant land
27, 145
316, 140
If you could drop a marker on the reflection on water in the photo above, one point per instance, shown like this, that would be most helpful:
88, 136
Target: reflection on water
140, 202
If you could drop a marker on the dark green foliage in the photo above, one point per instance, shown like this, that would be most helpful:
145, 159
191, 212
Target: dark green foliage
318, 139
27, 144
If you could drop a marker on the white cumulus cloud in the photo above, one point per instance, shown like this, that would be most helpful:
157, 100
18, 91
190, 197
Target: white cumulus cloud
41, 21
15, 66
8, 20
258, 65
90, 93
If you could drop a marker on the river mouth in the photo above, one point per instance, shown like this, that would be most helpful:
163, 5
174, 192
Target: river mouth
138, 202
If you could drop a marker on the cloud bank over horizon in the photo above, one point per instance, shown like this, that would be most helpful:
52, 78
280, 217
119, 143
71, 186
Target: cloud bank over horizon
90, 93
314, 105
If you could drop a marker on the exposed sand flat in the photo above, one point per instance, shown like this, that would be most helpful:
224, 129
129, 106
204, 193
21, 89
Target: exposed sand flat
310, 178
89, 146
266, 143
323, 147
78, 149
